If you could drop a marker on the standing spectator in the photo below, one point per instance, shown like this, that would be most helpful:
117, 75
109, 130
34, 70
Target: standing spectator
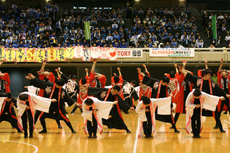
53, 39
227, 38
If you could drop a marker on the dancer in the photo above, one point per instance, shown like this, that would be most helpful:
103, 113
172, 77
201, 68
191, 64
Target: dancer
146, 113
206, 85
93, 112
53, 90
27, 104
196, 102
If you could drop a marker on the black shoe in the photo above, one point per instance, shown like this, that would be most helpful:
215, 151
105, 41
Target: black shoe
25, 136
128, 131
176, 131
59, 126
74, 131
31, 136
19, 131
43, 131
222, 131
225, 112
81, 110
90, 136
215, 127
95, 136
196, 136
171, 127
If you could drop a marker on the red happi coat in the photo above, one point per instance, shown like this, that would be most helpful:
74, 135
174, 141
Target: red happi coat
92, 80
176, 88
140, 77
51, 79
145, 92
6, 79
180, 104
82, 94
120, 83
219, 82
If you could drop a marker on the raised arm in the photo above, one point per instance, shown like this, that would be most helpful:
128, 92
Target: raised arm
221, 64
189, 76
62, 75
94, 65
37, 82
176, 69
43, 66
145, 67
86, 73
184, 64
58, 71
206, 64
119, 71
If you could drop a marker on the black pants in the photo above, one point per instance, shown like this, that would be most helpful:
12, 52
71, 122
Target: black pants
129, 101
176, 117
225, 102
7, 117
167, 119
115, 121
218, 122
38, 113
196, 123
147, 126
92, 126
54, 115
75, 108
27, 115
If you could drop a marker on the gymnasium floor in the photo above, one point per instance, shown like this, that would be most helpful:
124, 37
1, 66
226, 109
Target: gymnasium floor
116, 141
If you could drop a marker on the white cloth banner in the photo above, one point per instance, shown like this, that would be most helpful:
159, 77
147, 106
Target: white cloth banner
95, 52
103, 53
78, 52
86, 55
172, 52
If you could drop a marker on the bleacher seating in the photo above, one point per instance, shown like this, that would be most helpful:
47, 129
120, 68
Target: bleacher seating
42, 27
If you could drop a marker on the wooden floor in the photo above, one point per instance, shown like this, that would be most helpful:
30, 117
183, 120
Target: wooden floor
116, 141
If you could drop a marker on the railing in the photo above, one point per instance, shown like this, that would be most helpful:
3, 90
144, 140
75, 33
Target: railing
215, 11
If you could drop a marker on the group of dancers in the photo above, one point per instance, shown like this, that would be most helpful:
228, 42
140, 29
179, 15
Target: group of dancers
100, 105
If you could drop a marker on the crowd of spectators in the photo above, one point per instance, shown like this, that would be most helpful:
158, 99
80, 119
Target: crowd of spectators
223, 28
43, 27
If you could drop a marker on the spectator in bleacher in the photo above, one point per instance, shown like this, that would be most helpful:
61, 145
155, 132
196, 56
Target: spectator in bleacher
219, 42
167, 45
220, 17
227, 38
199, 43
21, 44
32, 22
174, 43
53, 39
